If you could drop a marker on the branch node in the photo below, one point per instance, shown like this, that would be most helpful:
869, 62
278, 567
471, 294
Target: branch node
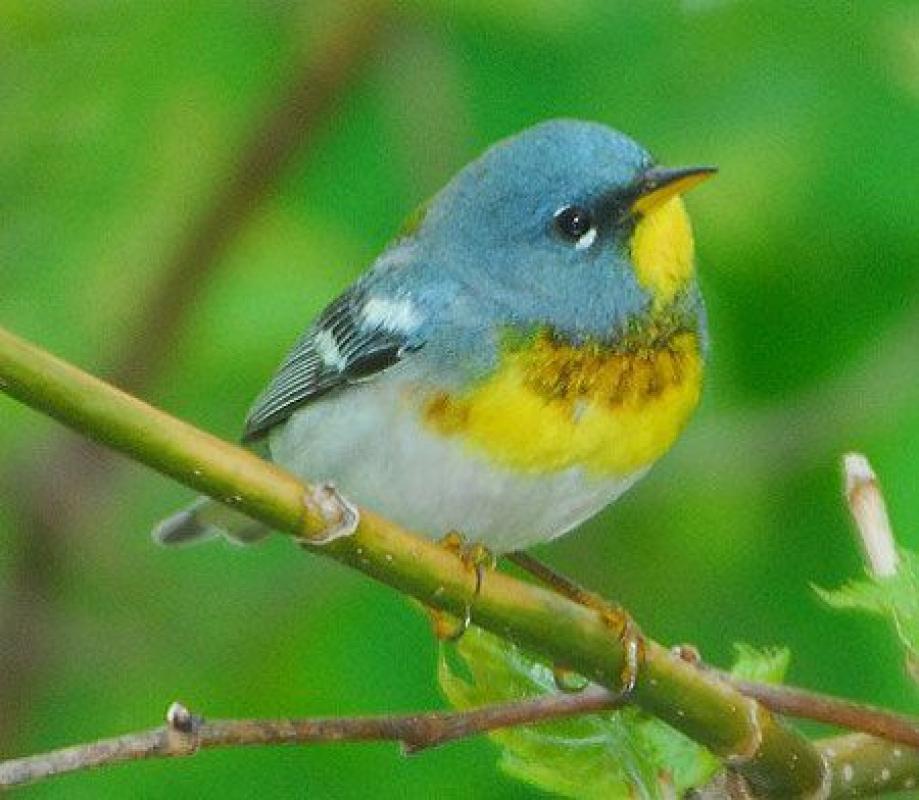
340, 516
825, 789
750, 747
688, 653
182, 729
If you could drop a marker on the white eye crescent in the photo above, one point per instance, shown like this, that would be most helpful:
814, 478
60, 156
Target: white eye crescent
586, 240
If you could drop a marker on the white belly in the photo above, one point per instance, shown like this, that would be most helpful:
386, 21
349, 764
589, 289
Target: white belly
372, 447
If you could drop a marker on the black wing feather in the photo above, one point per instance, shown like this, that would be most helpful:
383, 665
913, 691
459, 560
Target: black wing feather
305, 375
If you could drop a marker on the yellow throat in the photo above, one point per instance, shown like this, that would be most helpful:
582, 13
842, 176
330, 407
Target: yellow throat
662, 251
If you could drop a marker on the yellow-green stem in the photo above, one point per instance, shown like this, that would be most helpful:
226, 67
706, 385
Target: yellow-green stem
776, 760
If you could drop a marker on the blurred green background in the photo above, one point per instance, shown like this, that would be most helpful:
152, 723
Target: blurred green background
122, 123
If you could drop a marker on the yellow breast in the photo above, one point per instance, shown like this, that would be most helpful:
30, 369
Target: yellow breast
552, 406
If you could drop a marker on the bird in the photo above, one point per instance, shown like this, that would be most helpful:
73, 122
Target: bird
522, 352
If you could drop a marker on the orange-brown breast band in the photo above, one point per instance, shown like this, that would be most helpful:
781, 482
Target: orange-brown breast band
553, 405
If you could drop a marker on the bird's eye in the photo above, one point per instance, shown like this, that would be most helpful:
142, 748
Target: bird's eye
576, 224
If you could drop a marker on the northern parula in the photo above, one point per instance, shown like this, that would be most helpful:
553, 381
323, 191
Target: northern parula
526, 348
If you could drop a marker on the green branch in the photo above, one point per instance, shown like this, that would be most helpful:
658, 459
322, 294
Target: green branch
773, 758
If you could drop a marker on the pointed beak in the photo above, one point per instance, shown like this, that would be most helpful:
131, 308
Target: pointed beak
658, 185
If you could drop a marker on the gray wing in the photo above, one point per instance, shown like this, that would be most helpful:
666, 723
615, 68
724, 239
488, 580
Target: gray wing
350, 341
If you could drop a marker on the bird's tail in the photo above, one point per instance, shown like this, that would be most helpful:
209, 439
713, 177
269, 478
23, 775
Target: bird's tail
206, 518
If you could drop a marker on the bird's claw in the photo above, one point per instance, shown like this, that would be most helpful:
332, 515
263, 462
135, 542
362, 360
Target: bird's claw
627, 631
476, 557
633, 646
614, 617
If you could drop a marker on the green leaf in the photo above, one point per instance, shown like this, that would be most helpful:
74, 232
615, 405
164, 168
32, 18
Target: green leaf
622, 754
895, 597
862, 595
763, 666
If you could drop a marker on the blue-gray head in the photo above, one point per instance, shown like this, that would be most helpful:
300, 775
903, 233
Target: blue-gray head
568, 224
